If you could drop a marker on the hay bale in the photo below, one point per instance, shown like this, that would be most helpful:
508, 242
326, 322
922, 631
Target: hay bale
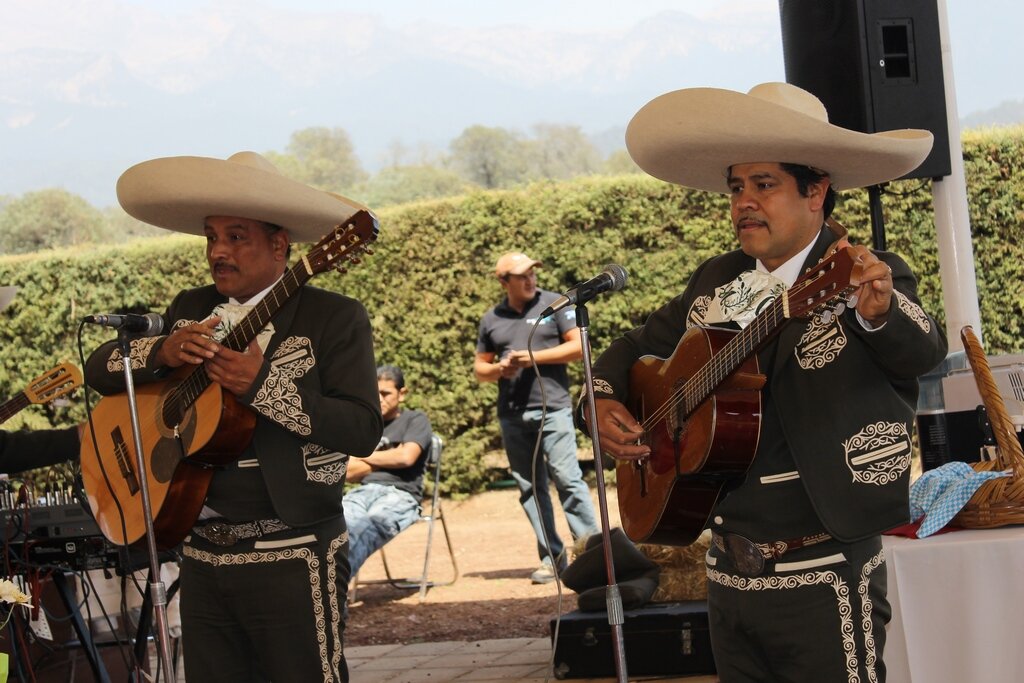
683, 573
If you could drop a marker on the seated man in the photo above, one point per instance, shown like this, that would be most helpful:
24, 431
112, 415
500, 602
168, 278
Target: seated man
391, 477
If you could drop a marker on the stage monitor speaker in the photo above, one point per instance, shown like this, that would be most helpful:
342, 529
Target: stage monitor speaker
875, 64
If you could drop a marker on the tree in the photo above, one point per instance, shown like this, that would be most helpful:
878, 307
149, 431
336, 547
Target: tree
50, 218
562, 152
620, 163
125, 227
490, 157
401, 184
321, 157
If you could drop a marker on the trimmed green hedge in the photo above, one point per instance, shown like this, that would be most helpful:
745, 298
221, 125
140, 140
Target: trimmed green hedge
430, 278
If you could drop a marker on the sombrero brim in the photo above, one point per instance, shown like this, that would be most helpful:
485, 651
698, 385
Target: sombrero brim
178, 193
6, 296
691, 137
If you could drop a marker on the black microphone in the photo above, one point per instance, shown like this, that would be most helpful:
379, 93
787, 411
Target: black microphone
148, 325
612, 278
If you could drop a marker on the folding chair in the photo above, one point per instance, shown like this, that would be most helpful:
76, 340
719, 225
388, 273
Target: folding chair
431, 512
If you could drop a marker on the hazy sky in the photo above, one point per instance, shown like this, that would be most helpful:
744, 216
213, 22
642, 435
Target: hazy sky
88, 88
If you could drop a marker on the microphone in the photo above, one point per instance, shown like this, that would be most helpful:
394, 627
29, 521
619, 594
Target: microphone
148, 325
612, 278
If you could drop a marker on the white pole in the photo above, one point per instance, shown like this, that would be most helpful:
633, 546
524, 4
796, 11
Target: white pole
952, 221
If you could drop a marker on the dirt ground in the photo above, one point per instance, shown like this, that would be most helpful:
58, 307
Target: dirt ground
493, 597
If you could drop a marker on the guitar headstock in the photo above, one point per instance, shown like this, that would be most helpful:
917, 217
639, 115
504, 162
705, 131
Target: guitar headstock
344, 244
829, 280
54, 383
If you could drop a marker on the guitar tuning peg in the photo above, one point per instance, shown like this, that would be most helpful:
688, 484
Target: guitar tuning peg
826, 316
851, 301
840, 308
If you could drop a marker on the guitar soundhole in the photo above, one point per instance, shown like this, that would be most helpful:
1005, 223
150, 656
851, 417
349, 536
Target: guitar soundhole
173, 445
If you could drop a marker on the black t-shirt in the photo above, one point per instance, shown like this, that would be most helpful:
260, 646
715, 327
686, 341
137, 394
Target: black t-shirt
410, 426
503, 329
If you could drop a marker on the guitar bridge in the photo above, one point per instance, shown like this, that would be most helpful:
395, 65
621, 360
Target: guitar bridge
641, 469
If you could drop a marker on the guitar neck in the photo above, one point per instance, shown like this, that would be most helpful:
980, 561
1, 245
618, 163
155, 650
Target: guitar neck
240, 336
12, 406
257, 318
704, 382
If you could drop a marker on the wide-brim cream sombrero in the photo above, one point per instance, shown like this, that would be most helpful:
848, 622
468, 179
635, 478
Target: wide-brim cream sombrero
178, 193
692, 136
6, 296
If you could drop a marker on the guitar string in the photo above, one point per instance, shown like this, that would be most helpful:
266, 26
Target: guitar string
724, 363
189, 390
719, 367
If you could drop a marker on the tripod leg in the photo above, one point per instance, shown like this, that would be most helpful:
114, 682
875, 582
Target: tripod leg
84, 636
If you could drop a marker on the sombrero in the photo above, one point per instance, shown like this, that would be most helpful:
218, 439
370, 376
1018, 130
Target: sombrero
178, 193
6, 296
692, 136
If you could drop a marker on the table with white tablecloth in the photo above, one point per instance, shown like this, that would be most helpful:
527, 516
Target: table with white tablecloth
958, 607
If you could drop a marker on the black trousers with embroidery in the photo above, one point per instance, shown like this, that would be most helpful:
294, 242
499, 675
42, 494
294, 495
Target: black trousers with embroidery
823, 623
268, 609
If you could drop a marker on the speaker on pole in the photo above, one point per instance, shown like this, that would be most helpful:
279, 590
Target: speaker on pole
875, 64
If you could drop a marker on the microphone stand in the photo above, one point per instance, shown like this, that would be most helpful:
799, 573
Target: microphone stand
157, 590
613, 598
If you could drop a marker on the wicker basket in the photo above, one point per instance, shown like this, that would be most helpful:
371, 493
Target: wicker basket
997, 502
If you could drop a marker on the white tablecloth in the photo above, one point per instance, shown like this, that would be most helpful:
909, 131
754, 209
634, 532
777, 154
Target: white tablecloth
958, 607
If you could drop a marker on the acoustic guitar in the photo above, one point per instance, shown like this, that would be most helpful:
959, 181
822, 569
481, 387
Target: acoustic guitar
188, 425
54, 383
701, 410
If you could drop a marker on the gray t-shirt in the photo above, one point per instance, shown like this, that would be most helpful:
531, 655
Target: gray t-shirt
503, 329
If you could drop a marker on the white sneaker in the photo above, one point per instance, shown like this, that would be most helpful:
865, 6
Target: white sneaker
545, 573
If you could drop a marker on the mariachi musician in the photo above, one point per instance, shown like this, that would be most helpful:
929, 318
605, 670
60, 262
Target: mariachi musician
797, 580
264, 573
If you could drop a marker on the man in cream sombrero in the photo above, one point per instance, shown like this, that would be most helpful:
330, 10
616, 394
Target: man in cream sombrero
796, 588
264, 572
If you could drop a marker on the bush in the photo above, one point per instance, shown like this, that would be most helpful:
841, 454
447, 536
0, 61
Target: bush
430, 279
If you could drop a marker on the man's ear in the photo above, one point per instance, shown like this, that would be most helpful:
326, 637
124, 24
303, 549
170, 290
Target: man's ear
816, 193
280, 241
402, 393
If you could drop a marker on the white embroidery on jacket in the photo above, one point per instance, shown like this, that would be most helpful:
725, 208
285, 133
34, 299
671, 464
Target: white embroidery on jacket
140, 350
878, 454
278, 398
323, 466
698, 311
913, 311
820, 343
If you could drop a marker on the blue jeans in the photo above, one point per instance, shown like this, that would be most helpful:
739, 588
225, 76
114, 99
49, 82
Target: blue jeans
558, 447
375, 513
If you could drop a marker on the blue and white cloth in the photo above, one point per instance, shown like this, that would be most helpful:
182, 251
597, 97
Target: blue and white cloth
941, 493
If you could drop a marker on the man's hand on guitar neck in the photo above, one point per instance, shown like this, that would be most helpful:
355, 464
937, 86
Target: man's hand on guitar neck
193, 344
619, 431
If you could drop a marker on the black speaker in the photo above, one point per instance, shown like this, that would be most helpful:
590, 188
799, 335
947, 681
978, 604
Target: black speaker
875, 64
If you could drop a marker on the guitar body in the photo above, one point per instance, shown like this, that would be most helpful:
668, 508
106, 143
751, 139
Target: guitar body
667, 497
179, 463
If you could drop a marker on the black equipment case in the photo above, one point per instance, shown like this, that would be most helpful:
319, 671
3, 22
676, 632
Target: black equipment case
660, 639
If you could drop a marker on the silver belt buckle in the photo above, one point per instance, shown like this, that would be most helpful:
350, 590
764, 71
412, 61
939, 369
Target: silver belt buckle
219, 533
745, 555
